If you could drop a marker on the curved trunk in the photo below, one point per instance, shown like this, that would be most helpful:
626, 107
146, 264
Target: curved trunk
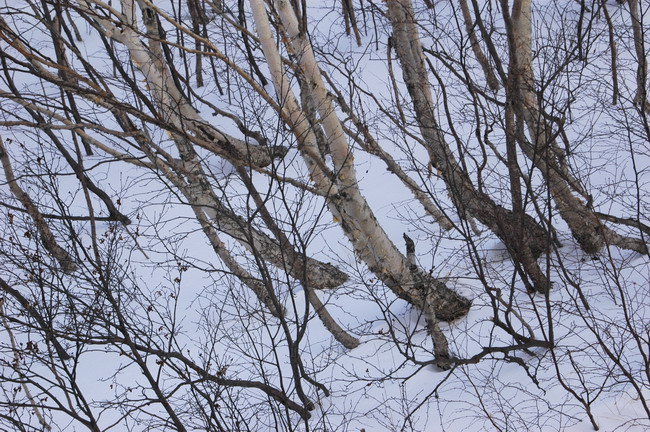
340, 187
587, 229
173, 106
523, 236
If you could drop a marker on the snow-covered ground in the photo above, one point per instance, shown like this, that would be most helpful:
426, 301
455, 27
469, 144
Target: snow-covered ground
174, 295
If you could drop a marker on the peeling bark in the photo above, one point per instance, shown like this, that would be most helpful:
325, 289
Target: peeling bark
344, 198
177, 111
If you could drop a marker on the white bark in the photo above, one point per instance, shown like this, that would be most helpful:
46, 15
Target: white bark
587, 229
182, 116
172, 104
345, 200
368, 143
641, 96
490, 76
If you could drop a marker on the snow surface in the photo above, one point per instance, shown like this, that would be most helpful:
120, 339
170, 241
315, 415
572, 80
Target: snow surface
375, 387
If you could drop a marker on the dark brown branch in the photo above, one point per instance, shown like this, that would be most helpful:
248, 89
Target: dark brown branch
44, 326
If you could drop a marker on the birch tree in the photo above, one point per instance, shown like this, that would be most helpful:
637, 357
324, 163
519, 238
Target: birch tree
151, 148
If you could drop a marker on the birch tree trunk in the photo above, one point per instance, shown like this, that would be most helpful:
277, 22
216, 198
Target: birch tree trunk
340, 187
182, 181
174, 107
524, 238
641, 96
587, 229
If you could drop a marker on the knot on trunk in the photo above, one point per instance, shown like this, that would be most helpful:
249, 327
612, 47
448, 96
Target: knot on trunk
435, 296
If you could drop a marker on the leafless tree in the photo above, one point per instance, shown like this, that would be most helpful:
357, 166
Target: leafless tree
184, 197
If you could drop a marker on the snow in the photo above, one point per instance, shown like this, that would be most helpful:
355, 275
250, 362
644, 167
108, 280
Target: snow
389, 382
